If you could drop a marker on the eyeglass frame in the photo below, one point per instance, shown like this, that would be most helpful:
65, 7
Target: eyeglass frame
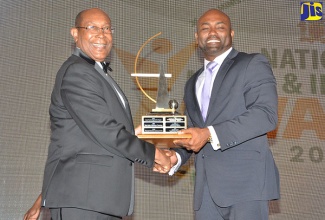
95, 28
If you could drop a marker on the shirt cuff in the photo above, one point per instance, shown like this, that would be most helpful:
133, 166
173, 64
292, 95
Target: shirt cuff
174, 169
215, 140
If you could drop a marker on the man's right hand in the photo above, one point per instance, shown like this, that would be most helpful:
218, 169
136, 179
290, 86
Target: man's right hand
34, 212
172, 155
162, 162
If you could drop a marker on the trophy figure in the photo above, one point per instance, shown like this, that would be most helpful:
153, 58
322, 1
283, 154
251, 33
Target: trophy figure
161, 125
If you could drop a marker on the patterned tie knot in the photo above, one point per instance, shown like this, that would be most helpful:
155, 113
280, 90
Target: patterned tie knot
211, 66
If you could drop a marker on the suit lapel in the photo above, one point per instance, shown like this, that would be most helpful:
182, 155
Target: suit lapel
193, 106
110, 81
218, 81
197, 105
117, 91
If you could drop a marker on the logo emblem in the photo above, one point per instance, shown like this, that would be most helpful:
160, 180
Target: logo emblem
311, 11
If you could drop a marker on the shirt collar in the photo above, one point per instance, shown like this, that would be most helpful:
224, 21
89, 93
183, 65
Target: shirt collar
219, 59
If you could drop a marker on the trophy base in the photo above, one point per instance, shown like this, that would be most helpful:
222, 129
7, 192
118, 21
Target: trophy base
163, 140
163, 123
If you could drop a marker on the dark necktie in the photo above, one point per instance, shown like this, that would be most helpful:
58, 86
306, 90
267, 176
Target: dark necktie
106, 67
206, 94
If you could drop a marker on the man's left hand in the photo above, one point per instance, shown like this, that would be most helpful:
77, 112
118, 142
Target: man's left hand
198, 140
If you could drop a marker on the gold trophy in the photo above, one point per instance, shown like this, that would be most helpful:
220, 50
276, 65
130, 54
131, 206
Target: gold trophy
161, 125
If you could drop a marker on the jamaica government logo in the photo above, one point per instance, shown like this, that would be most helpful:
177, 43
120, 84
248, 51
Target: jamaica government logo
311, 11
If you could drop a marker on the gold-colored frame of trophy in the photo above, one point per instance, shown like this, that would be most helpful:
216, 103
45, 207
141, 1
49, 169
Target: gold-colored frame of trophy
162, 140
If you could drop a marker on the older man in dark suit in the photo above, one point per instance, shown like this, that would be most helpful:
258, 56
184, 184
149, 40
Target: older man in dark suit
231, 104
89, 173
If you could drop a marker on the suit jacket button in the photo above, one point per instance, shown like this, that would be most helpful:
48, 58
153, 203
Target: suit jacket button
203, 155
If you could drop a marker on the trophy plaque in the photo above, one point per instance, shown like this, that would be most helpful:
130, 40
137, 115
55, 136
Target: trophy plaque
161, 125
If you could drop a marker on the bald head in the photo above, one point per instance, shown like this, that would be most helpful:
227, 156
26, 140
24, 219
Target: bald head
214, 34
214, 12
80, 17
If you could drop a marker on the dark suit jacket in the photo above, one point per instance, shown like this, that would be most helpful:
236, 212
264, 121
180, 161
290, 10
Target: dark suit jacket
91, 156
243, 108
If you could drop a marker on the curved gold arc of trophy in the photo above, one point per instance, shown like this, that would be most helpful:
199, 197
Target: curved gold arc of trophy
135, 65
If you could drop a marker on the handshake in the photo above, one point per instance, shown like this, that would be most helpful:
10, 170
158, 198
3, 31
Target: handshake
164, 160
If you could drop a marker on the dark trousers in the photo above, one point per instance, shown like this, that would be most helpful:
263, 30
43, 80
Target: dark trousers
249, 210
79, 214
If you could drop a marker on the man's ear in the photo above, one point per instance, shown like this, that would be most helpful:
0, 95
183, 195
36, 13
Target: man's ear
196, 38
74, 34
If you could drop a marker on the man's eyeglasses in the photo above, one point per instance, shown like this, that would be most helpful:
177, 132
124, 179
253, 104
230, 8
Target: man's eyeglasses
95, 29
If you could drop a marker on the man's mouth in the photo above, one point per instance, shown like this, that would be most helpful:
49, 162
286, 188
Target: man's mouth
100, 45
213, 41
